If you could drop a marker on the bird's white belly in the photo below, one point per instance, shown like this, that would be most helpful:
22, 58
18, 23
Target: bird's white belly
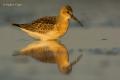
47, 36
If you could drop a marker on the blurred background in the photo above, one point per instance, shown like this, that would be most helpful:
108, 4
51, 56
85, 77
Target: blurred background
99, 40
92, 13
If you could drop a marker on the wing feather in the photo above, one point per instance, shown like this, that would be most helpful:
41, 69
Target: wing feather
42, 25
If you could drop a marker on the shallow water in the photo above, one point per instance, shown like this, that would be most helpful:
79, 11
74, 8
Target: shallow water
98, 41
100, 57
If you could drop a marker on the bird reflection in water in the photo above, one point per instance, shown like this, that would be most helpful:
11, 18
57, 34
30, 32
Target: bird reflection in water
50, 52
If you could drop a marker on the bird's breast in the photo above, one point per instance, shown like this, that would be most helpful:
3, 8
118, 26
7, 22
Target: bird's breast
62, 27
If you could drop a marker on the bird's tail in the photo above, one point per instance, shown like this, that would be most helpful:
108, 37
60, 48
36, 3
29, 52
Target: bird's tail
18, 25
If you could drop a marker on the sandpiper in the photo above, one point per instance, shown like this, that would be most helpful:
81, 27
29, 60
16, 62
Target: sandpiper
50, 52
50, 27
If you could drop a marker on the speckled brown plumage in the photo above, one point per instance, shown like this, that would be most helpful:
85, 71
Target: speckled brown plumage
42, 25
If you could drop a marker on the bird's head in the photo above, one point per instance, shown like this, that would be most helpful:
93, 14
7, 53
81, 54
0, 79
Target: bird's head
67, 12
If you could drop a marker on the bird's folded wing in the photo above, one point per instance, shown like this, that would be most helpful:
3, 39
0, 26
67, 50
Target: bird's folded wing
42, 25
46, 19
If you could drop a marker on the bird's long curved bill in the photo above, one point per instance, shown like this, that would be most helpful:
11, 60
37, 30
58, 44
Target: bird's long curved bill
73, 17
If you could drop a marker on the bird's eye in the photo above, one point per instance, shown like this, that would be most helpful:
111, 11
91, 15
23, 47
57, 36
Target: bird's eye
68, 12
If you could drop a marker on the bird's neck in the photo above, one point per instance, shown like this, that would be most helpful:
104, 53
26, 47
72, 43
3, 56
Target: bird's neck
63, 23
62, 19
